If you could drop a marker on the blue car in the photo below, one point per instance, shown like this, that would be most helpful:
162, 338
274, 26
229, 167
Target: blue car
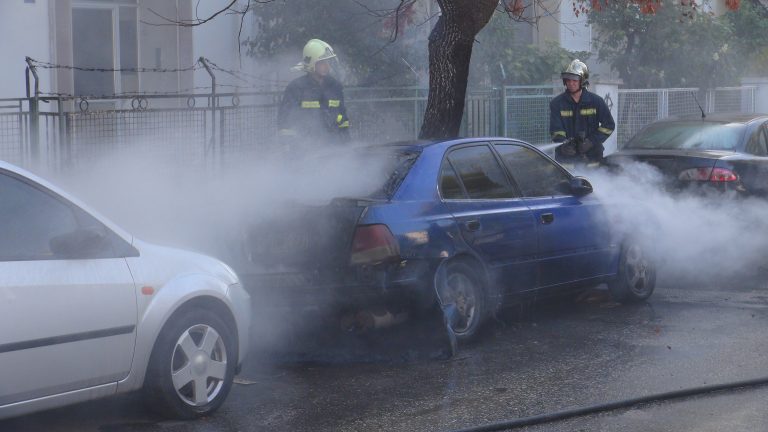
478, 223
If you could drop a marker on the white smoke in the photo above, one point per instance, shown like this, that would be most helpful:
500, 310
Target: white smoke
693, 236
167, 201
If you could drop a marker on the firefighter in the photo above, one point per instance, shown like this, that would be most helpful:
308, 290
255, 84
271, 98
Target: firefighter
579, 119
312, 107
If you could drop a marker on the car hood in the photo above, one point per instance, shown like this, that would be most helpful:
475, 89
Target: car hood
156, 265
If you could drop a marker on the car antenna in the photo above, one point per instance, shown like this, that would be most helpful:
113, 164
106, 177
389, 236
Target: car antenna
699, 105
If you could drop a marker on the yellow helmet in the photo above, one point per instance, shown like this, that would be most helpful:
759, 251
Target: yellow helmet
576, 70
314, 51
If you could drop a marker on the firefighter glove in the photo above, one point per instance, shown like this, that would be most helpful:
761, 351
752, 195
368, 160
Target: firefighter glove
585, 145
568, 148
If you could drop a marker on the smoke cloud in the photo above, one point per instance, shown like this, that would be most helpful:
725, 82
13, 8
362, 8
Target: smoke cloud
695, 237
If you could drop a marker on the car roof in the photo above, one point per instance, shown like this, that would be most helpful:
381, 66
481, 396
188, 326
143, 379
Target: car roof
420, 144
733, 117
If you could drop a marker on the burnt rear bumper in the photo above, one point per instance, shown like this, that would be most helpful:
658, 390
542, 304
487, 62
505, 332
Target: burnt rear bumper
406, 283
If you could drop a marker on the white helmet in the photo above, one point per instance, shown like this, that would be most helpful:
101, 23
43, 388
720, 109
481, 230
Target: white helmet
314, 51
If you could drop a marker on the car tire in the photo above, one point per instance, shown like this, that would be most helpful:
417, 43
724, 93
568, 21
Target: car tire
636, 276
192, 365
462, 291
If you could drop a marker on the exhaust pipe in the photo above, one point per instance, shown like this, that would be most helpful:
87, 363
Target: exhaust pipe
372, 319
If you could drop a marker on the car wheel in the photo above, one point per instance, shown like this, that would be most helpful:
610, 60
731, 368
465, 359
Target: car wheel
636, 278
461, 288
192, 365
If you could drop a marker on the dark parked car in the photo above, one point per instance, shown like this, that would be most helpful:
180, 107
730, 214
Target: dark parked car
481, 222
722, 152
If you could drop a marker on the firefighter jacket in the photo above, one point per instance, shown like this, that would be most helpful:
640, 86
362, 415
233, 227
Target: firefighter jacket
314, 110
589, 119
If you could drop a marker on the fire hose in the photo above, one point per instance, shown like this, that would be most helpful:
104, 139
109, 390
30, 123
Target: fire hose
610, 406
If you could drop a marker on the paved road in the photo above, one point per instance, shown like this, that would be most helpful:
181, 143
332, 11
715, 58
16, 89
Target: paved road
548, 358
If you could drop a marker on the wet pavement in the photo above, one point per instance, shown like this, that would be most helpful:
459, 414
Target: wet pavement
554, 356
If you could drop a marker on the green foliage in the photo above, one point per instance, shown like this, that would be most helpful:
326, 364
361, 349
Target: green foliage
678, 46
537, 65
749, 27
361, 39
523, 64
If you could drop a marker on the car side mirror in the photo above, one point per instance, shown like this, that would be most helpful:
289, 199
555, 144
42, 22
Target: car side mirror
580, 186
78, 244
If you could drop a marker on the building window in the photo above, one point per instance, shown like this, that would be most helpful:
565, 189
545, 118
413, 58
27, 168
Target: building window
104, 36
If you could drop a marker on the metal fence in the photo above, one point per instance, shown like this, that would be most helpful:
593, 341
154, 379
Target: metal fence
526, 112
203, 128
14, 130
638, 108
526, 108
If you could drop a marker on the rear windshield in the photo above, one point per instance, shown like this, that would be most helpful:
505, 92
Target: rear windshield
394, 164
364, 172
696, 135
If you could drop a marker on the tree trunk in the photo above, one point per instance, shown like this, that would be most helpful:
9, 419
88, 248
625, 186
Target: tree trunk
450, 51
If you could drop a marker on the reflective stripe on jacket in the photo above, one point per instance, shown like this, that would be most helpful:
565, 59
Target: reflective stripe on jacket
312, 109
590, 116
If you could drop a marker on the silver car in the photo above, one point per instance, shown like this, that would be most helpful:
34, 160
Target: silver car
87, 311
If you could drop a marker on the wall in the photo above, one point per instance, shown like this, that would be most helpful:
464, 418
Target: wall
217, 41
23, 32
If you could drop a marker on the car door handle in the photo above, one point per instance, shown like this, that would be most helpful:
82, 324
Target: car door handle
472, 225
547, 218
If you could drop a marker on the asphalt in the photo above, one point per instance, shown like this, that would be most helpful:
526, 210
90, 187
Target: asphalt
553, 356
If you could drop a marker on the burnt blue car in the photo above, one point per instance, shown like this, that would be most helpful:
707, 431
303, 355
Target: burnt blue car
721, 152
476, 223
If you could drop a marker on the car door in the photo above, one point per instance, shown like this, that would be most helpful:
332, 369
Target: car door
67, 299
574, 241
494, 221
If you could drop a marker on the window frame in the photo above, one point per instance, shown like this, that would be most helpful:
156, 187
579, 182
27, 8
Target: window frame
532, 148
120, 247
445, 160
114, 6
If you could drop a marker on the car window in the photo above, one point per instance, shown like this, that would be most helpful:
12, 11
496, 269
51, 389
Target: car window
480, 173
449, 183
689, 135
534, 174
30, 219
34, 219
758, 145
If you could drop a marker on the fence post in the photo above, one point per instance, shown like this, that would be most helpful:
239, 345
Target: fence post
416, 103
212, 104
63, 144
503, 112
34, 115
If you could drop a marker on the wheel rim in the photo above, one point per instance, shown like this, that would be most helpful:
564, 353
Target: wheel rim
199, 365
461, 291
638, 270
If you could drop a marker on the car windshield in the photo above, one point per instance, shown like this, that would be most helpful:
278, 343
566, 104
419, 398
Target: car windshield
689, 135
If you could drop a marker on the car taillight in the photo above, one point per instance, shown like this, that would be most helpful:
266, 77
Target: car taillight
708, 174
373, 244
723, 175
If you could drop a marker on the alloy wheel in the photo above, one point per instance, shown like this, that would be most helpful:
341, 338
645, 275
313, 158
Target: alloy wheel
199, 365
